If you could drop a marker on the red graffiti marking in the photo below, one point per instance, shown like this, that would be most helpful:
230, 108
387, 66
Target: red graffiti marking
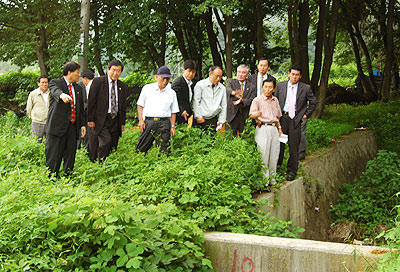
246, 259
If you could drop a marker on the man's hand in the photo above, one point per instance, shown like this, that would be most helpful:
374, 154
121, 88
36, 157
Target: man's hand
65, 98
200, 120
185, 115
83, 131
237, 102
142, 125
91, 125
304, 116
172, 131
259, 114
123, 128
280, 131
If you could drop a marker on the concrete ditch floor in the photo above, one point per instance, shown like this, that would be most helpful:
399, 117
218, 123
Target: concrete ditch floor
230, 252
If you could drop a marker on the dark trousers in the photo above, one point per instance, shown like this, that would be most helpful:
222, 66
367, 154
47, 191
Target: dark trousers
237, 123
160, 131
93, 144
302, 146
294, 134
108, 136
209, 124
61, 147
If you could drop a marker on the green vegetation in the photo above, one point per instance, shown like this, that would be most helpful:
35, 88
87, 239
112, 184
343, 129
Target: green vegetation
371, 199
133, 212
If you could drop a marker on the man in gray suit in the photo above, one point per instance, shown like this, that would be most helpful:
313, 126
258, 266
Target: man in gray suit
240, 93
293, 96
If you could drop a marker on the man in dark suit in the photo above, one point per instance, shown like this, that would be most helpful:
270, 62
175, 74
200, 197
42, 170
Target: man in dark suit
66, 119
293, 96
87, 76
106, 111
240, 93
184, 92
258, 79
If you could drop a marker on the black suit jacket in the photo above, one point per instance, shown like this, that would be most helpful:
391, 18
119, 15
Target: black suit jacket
181, 89
304, 94
59, 112
84, 95
98, 102
249, 93
253, 79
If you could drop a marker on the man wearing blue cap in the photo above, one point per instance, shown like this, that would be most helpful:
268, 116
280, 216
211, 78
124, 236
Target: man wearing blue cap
157, 107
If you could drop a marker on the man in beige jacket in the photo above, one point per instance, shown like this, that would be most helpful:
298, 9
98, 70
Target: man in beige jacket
37, 107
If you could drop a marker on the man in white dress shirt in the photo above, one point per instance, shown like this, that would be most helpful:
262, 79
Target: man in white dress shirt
258, 79
157, 107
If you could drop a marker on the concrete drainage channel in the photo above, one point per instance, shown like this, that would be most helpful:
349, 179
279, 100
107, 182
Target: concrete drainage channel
306, 201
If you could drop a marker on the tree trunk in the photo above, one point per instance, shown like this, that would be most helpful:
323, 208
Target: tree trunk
228, 45
304, 22
84, 40
360, 71
329, 45
321, 33
96, 40
41, 49
212, 38
387, 78
260, 31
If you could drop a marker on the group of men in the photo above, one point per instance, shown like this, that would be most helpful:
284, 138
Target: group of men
66, 111
95, 110
211, 105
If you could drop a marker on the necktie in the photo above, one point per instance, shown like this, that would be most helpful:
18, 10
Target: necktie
73, 113
241, 88
113, 101
292, 102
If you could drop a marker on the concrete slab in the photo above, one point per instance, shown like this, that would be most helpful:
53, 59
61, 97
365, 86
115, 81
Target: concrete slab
251, 253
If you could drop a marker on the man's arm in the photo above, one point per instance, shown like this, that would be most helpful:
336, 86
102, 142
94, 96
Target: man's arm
57, 93
173, 119
29, 105
197, 93
222, 114
312, 103
142, 124
253, 93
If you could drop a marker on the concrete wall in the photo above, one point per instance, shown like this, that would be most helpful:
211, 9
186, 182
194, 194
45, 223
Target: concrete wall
306, 201
251, 253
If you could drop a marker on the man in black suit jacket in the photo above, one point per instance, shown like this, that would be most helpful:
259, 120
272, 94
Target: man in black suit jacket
240, 93
66, 119
184, 92
87, 76
106, 111
258, 79
293, 96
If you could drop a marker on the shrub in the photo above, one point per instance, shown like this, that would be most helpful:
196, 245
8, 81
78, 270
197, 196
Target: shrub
371, 199
15, 88
133, 212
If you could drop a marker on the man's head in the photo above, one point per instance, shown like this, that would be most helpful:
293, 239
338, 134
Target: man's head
215, 74
162, 76
43, 83
114, 69
295, 74
71, 71
268, 87
263, 65
87, 75
242, 72
189, 69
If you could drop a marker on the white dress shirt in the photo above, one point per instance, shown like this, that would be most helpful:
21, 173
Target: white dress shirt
109, 94
156, 102
189, 83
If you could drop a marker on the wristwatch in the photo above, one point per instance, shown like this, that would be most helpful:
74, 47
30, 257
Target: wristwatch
173, 126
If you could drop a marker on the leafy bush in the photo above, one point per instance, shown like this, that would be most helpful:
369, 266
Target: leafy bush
15, 88
383, 118
133, 212
371, 199
137, 79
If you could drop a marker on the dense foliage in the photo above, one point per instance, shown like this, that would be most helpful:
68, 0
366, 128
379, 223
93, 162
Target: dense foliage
383, 118
132, 212
371, 199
